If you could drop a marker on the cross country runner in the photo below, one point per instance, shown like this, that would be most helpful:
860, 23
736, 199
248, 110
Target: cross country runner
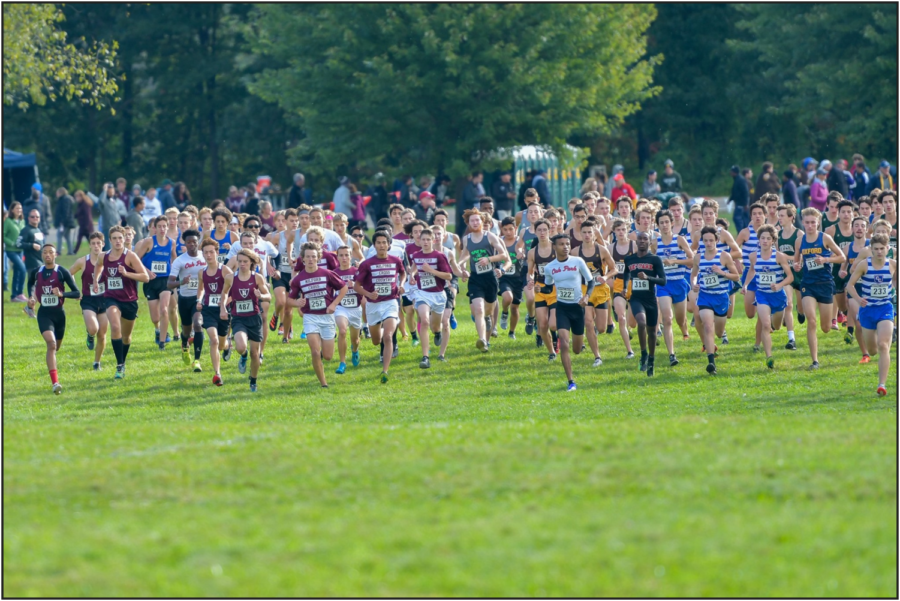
711, 276
771, 271
349, 314
842, 233
209, 303
284, 242
429, 270
245, 291
539, 256
512, 282
857, 247
677, 257
93, 309
157, 253
645, 271
787, 238
185, 276
620, 291
601, 265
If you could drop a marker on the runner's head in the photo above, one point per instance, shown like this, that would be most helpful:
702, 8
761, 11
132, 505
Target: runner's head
191, 239
414, 228
172, 217
644, 217
865, 206
623, 207
786, 214
551, 216
381, 240
845, 211
664, 222
531, 196
722, 223
860, 227
587, 231
48, 254
291, 219
542, 229
508, 227
834, 198
316, 235
221, 219
96, 241
441, 218
339, 224
395, 212
129, 236
185, 221
757, 214
303, 216
642, 240
888, 200
620, 229
695, 216
710, 235
426, 239
247, 260
879, 246
474, 219
309, 254
772, 203
710, 210
602, 206
206, 219
407, 216
317, 217
590, 202
766, 235
117, 237
579, 214
676, 208
877, 207
278, 221
882, 226
561, 246
343, 255
486, 205
810, 218
534, 212
210, 250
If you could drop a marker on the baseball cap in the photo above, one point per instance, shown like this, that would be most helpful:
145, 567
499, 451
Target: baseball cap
825, 164
167, 182
884, 164
807, 161
821, 171
425, 194
37, 186
669, 163
735, 169
618, 177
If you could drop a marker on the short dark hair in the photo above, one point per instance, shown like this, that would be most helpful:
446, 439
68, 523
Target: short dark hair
250, 218
381, 234
508, 221
383, 223
188, 233
664, 213
579, 208
708, 229
846, 203
559, 237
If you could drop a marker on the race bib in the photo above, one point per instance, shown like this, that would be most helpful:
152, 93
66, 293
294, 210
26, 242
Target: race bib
876, 291
317, 304
710, 280
159, 266
670, 267
101, 289
383, 289
286, 264
244, 306
114, 283
350, 301
51, 300
214, 300
511, 270
193, 284
565, 294
222, 258
766, 279
479, 268
640, 284
541, 269
812, 265
426, 280
620, 267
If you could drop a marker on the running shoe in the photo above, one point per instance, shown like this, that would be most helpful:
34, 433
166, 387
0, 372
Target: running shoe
120, 372
488, 325
643, 363
724, 338
90, 342
396, 352
801, 318
511, 335
176, 338
29, 311
673, 360
882, 391
539, 341
814, 366
791, 345
384, 377
865, 359
19, 299
303, 336
551, 357
415, 341
57, 388
452, 321
756, 348
529, 325
273, 323
770, 362
197, 368
630, 355
611, 328
162, 346
365, 331
481, 345
281, 330
253, 388
442, 359
834, 324
630, 334
260, 358
848, 337
284, 340
685, 336
649, 370
504, 320
242, 364
341, 368
185, 356
711, 369
598, 362
438, 337
354, 358
168, 339
571, 387
425, 363
226, 354
217, 380
96, 366
494, 333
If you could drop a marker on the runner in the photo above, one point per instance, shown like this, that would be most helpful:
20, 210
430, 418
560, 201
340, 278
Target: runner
680, 225
749, 244
643, 222
539, 256
527, 240
677, 257
380, 279
864, 208
710, 210
93, 309
157, 253
430, 271
487, 260
512, 282
48, 286
209, 304
830, 217
185, 275
413, 230
771, 271
600, 263
119, 270
787, 239
716, 270
284, 242
172, 232
206, 221
221, 234
772, 202
878, 276
566, 273
317, 292
811, 252
340, 223
448, 322
349, 314
620, 292
453, 245
842, 233
856, 247
645, 271
888, 200
245, 291
579, 214
695, 218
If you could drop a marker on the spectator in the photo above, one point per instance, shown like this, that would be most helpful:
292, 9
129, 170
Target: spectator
251, 203
378, 204
341, 198
622, 188
135, 219
858, 158
38, 200
109, 212
650, 188
789, 189
860, 180
122, 194
529, 178
767, 182
818, 190
539, 183
883, 180
439, 188
12, 229
166, 200
425, 207
835, 179
136, 191
590, 185
409, 192
601, 183
152, 206
297, 195
181, 195
64, 219
748, 176
122, 209
84, 217
809, 170
31, 240
671, 179
504, 194
266, 218
358, 215
740, 197
469, 199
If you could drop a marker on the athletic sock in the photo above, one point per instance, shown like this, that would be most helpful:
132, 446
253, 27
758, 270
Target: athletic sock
415, 335
117, 350
184, 343
382, 349
711, 357
791, 335
850, 330
252, 380
54, 376
555, 338
198, 344
394, 338
125, 348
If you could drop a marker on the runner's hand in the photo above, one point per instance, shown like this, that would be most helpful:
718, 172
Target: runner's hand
152, 275
56, 292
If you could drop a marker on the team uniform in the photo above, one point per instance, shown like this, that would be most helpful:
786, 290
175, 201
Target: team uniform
567, 276
186, 266
120, 291
91, 301
844, 242
246, 313
817, 280
318, 288
483, 281
212, 298
714, 288
50, 316
677, 285
769, 272
158, 260
619, 288
431, 288
788, 246
381, 276
878, 289
350, 307
544, 294
748, 248
643, 292
513, 279
285, 263
601, 294
229, 238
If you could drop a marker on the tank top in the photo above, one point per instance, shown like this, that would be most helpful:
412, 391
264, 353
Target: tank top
212, 287
671, 251
87, 279
877, 285
243, 302
574, 242
813, 272
786, 246
768, 271
619, 259
351, 299
286, 255
540, 263
851, 256
844, 242
827, 223
711, 282
749, 247
594, 262
158, 259
47, 280
226, 239
892, 236
179, 245
515, 270
118, 287
684, 229
477, 251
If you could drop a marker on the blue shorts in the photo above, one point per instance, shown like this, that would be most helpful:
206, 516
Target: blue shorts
751, 287
677, 289
776, 301
870, 315
823, 292
717, 303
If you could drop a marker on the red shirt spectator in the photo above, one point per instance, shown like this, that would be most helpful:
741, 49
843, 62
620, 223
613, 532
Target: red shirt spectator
622, 189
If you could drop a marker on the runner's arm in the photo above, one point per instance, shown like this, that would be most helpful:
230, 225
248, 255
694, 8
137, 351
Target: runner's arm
69, 281
858, 272
838, 255
140, 272
785, 265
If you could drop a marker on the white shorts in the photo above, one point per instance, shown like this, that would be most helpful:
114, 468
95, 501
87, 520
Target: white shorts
353, 316
378, 312
323, 325
436, 301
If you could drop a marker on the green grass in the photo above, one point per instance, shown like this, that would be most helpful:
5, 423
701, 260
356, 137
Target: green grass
479, 477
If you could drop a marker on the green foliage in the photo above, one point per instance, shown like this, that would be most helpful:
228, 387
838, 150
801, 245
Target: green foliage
428, 85
38, 63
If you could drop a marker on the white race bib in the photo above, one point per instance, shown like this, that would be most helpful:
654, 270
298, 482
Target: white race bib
101, 286
350, 301
382, 289
670, 267
479, 268
244, 306
812, 265
222, 258
766, 279
565, 294
711, 280
159, 266
876, 291
214, 300
511, 270
426, 280
317, 304
114, 283
541, 269
620, 267
637, 284
193, 284
51, 300
286, 264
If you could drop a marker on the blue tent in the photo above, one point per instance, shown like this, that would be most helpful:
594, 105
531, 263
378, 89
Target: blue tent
20, 172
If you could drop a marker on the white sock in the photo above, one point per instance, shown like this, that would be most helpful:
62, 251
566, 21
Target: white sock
791, 335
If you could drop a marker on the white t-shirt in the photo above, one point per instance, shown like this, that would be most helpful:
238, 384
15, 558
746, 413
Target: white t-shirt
265, 249
567, 276
185, 266
152, 210
332, 241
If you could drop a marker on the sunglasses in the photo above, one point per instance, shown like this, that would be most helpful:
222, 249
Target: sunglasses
251, 227
358, 236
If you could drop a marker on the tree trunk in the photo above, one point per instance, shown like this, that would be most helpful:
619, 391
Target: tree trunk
127, 108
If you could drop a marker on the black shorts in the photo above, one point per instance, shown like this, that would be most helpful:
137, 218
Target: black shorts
603, 305
52, 320
452, 290
513, 285
646, 306
128, 309
154, 287
483, 286
405, 302
249, 324
284, 281
570, 316
823, 292
840, 284
211, 320
93, 303
187, 306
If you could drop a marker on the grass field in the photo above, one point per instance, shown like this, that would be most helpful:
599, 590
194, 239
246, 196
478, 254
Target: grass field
479, 477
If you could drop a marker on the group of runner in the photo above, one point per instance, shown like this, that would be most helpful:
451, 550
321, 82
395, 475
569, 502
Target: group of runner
642, 266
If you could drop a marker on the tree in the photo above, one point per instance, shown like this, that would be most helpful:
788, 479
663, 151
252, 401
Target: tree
435, 85
39, 64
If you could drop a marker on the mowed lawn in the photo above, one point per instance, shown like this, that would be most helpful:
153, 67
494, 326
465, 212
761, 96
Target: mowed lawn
478, 477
